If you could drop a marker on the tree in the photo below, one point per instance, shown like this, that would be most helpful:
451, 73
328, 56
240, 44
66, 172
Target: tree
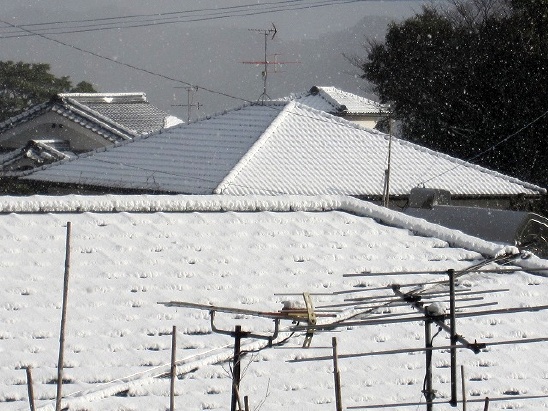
470, 81
23, 85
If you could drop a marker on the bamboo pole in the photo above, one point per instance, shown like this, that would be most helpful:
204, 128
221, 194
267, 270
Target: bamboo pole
63, 322
336, 375
173, 368
30, 389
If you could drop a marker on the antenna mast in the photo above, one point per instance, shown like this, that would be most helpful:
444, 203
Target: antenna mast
190, 97
266, 33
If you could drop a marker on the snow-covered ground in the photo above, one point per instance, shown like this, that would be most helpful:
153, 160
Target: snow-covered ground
127, 253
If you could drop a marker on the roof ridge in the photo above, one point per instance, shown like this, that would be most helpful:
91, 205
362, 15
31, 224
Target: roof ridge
330, 100
261, 140
97, 97
89, 113
31, 112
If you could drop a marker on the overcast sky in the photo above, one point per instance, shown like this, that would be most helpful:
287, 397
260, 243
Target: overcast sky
163, 46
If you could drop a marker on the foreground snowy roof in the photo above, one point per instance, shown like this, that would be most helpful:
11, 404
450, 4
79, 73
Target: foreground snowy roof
277, 148
129, 253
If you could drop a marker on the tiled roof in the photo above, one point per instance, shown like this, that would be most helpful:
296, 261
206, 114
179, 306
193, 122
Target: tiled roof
130, 110
335, 101
129, 253
278, 148
114, 116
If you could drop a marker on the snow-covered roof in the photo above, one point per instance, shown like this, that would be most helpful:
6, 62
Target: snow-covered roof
339, 102
277, 148
131, 110
114, 116
127, 253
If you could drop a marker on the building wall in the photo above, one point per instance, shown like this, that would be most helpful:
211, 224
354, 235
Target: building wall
51, 125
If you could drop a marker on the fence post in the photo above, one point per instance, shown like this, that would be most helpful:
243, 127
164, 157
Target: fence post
63, 323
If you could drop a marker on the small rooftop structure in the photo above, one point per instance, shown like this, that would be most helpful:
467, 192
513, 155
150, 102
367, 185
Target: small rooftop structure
352, 107
36, 153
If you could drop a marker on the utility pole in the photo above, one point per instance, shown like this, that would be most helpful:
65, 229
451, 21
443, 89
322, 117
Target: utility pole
386, 194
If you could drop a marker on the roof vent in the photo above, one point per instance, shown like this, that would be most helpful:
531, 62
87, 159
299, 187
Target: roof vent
428, 197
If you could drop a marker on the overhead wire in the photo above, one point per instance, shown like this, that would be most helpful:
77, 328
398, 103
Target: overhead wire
174, 17
491, 148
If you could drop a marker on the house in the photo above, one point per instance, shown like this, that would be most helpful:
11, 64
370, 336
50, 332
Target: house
80, 122
277, 148
124, 256
332, 100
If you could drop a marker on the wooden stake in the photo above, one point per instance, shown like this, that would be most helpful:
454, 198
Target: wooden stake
173, 368
463, 382
63, 322
30, 389
337, 375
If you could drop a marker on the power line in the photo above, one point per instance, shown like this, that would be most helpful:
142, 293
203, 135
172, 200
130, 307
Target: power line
112, 60
161, 19
492, 148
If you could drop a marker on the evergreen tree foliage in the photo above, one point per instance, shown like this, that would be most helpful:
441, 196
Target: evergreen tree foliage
23, 85
471, 82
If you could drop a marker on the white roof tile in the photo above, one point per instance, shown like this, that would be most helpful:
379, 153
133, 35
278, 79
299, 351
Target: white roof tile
214, 250
278, 148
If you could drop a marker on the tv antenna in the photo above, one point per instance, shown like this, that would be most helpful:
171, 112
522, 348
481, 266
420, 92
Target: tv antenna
191, 92
265, 62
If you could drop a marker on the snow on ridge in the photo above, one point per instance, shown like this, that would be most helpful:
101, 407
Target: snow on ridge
256, 203
165, 203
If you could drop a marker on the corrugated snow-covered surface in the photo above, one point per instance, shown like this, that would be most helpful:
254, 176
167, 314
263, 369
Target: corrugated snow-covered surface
310, 152
123, 263
277, 149
193, 160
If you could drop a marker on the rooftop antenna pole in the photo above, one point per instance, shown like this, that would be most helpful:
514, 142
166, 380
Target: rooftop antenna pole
266, 33
189, 101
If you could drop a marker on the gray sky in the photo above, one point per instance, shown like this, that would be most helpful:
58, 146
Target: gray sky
163, 46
